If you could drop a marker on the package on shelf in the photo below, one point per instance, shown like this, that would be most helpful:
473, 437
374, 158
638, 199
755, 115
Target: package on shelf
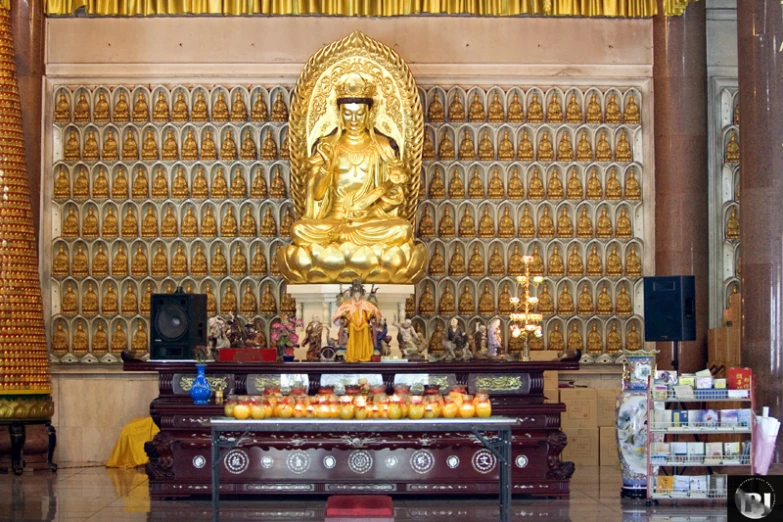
583, 447
687, 380
698, 484
665, 377
607, 405
739, 378
695, 450
713, 451
607, 444
665, 484
551, 380
581, 408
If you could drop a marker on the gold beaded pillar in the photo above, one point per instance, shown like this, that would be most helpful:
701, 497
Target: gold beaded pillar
25, 382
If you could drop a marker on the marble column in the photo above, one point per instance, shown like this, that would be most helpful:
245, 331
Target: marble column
681, 239
760, 34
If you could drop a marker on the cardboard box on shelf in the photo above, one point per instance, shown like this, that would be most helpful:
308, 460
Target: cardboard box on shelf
581, 408
543, 355
551, 380
607, 400
723, 347
582, 447
551, 396
607, 445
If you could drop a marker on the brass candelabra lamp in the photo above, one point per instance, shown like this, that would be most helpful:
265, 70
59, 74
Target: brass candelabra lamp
525, 321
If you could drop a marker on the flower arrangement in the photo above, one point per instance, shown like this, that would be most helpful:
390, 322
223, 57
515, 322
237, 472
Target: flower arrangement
201, 354
284, 337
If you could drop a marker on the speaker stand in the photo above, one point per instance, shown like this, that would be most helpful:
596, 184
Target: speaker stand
676, 356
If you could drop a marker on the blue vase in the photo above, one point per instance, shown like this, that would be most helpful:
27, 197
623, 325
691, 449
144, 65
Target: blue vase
200, 391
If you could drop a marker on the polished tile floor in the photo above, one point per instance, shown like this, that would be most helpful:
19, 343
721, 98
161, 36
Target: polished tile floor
104, 495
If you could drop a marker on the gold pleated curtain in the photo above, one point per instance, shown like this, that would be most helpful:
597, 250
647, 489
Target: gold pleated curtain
587, 8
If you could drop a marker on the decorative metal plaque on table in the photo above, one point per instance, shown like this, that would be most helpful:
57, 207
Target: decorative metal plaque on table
445, 381
257, 382
182, 382
513, 384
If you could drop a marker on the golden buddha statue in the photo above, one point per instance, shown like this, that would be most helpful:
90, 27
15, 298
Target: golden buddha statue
81, 186
228, 228
633, 340
149, 149
428, 149
467, 149
556, 266
496, 110
537, 263
585, 306
81, 113
179, 263
594, 263
119, 265
516, 265
140, 343
180, 112
437, 185
446, 148
624, 228
575, 190
60, 335
130, 227
211, 306
565, 151
180, 189
268, 225
258, 263
536, 343
62, 110
437, 265
613, 114
200, 108
208, 224
160, 112
623, 150
426, 224
526, 152
545, 150
486, 149
70, 224
584, 226
733, 225
554, 111
497, 266
119, 189
613, 341
476, 112
476, 262
486, 305
737, 114
109, 151
565, 302
68, 303
447, 303
170, 147
130, 149
595, 343
279, 110
160, 185
516, 114
633, 265
573, 111
456, 109
506, 228
248, 227
556, 343
732, 154
632, 189
62, 187
160, 264
90, 224
219, 184
199, 265
427, 301
613, 189
505, 307
565, 227
526, 226
79, 343
603, 150
61, 263
515, 188
496, 188
486, 225
286, 222
584, 151
535, 113
248, 151
220, 109
535, 189
457, 262
594, 110
467, 225
546, 305
119, 340
285, 149
604, 228
476, 186
258, 189
605, 306
624, 305
100, 187
268, 302
238, 109
238, 262
631, 116
146, 299
190, 147
139, 265
277, 188
79, 267
90, 301
71, 152
456, 186
238, 185
436, 113
121, 109
149, 227
555, 186
259, 111
546, 227
208, 148
614, 265
576, 266
594, 189
130, 301
249, 305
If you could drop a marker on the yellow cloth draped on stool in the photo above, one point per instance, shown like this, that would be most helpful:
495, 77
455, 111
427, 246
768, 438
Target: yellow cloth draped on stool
360, 342
129, 450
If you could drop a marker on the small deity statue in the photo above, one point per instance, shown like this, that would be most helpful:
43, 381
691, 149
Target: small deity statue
248, 151
199, 265
259, 111
486, 225
584, 226
554, 112
604, 228
456, 186
632, 189
170, 147
605, 306
536, 343
268, 225
476, 186
537, 263
446, 148
733, 225
189, 224
594, 263
556, 343
139, 264
555, 188
467, 149
79, 339
258, 263
149, 227
456, 109
410, 342
732, 154
79, 266
573, 111
228, 305
631, 111
130, 227
497, 266
277, 188
249, 305
594, 189
426, 224
457, 262
516, 265
526, 152
614, 265
633, 340
179, 263
119, 340
535, 113
269, 147
467, 305
584, 151
437, 265
81, 187
565, 151
211, 303
437, 185
68, 303
506, 228
200, 109
62, 187
476, 112
428, 148
447, 303
603, 151
90, 224
565, 302
268, 302
160, 112
613, 341
545, 150
516, 114
60, 336
180, 188
737, 114
613, 114
258, 189
238, 262
526, 226
238, 185
119, 189
535, 189
285, 150
90, 301
160, 265
546, 305
486, 149
90, 150
160, 185
70, 224
208, 149
110, 152
494, 340
427, 301
220, 109
130, 149
446, 227
486, 303
149, 149
72, 151
248, 227
575, 265
624, 228
139, 343
623, 150
238, 109
476, 263
496, 188
130, 301
565, 227
313, 339
633, 265
209, 224
279, 109
81, 113
61, 264
496, 110
575, 189
219, 184
624, 306
546, 227
180, 112
436, 113
556, 266
228, 228
613, 189
595, 343
585, 306
121, 109
190, 147
62, 111
594, 110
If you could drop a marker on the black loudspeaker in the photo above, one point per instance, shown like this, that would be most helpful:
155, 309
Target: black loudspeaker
670, 308
178, 323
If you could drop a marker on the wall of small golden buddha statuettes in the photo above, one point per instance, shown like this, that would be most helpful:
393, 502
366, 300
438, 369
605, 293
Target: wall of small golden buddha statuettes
555, 174
730, 180
155, 188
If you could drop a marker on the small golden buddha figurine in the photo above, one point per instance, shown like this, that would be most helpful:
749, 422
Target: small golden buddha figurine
537, 263
737, 114
258, 189
535, 189
437, 185
604, 228
277, 189
140, 108
516, 265
446, 148
613, 341
476, 109
604, 302
555, 186
632, 189
228, 228
228, 150
119, 189
110, 152
573, 111
457, 262
190, 147
631, 116
180, 112
248, 228
565, 302
545, 150
624, 228
505, 307
62, 187
238, 262
426, 224
211, 306
139, 265
61, 264
90, 224
160, 264
624, 306
467, 225
69, 300
633, 340
496, 188
594, 110
526, 152
447, 303
623, 150
486, 149
585, 302
467, 149
437, 265
130, 227
149, 149
603, 151
595, 343
556, 266
515, 188
70, 224
584, 151
456, 186
119, 340
149, 227
633, 265
497, 266
535, 113
139, 343
594, 263
208, 224
80, 339
199, 265
486, 303
446, 227
79, 266
427, 301
238, 109
476, 262
526, 226
575, 190
220, 108
81, 113
208, 149
90, 151
268, 302
279, 109
285, 151
285, 223
428, 148
160, 112
130, 301
62, 111
258, 263
60, 336
733, 225
732, 154
476, 186
179, 263
180, 189
506, 228
594, 189
259, 111
436, 113
546, 305
496, 110
121, 109
238, 185
170, 147
556, 343
554, 111
575, 265
456, 109
146, 299
613, 189
248, 151
614, 265
268, 225
249, 306
584, 226
516, 114
90, 301
160, 185
71, 152
81, 187
565, 227
613, 114
130, 149
546, 227
486, 225
200, 109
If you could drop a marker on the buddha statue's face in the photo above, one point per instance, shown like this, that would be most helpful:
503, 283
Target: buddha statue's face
354, 117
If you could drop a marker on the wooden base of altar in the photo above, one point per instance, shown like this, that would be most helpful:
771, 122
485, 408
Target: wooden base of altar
334, 463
